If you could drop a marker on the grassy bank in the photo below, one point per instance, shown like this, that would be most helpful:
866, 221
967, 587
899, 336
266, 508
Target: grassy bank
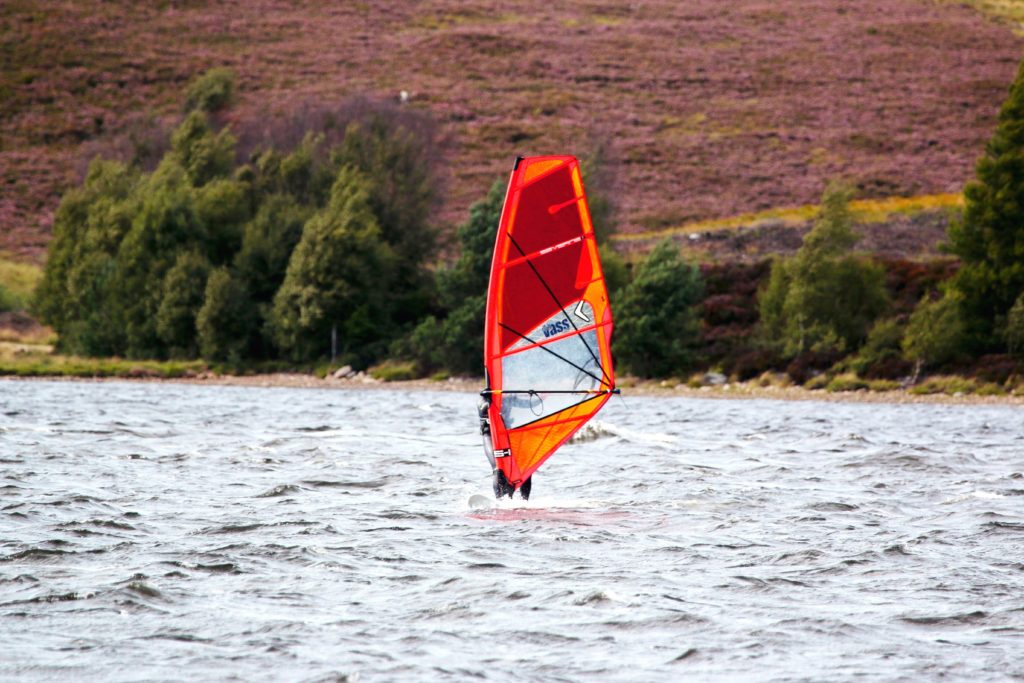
25, 356
33, 361
37, 360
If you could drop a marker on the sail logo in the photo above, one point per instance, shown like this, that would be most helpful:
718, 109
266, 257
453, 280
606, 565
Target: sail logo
557, 327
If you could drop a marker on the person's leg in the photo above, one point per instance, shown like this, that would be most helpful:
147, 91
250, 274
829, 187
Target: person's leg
485, 432
524, 488
502, 487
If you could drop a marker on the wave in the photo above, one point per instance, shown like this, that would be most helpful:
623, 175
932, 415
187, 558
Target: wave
597, 429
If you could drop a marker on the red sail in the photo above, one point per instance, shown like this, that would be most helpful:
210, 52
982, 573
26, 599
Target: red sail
547, 340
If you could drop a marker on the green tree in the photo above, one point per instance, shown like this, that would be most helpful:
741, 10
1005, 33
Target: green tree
402, 193
97, 329
936, 330
455, 341
183, 295
268, 241
823, 298
203, 154
657, 321
883, 343
1015, 329
225, 321
990, 237
302, 173
74, 293
8, 302
211, 92
223, 207
339, 276
165, 223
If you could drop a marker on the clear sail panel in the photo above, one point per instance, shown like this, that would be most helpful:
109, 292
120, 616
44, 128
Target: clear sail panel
566, 365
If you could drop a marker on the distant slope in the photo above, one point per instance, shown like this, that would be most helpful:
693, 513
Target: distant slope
712, 109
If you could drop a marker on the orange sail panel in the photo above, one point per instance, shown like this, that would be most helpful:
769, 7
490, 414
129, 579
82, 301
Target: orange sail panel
547, 340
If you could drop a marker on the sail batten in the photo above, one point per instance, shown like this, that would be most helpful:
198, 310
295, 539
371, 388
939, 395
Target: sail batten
548, 324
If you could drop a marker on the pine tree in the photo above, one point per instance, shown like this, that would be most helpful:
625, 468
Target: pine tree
990, 238
658, 322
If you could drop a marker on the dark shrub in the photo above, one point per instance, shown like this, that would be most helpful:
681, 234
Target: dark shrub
811, 363
891, 367
995, 368
907, 281
752, 364
724, 309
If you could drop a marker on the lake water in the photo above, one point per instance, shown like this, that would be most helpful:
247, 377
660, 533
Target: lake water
166, 531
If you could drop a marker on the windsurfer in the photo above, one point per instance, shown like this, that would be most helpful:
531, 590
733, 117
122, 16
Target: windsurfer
551, 373
501, 484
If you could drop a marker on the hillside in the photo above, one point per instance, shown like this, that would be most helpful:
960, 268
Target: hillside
707, 109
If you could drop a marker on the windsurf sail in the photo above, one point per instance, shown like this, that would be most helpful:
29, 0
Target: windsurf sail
547, 336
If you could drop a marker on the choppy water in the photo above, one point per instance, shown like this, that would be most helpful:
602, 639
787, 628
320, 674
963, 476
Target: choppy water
154, 532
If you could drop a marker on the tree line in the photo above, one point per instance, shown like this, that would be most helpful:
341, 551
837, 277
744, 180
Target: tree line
267, 255
253, 259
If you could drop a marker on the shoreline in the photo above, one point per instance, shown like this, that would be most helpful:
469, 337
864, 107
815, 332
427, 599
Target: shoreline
645, 388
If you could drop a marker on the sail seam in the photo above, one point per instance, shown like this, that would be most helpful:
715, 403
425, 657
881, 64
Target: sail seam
551, 340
